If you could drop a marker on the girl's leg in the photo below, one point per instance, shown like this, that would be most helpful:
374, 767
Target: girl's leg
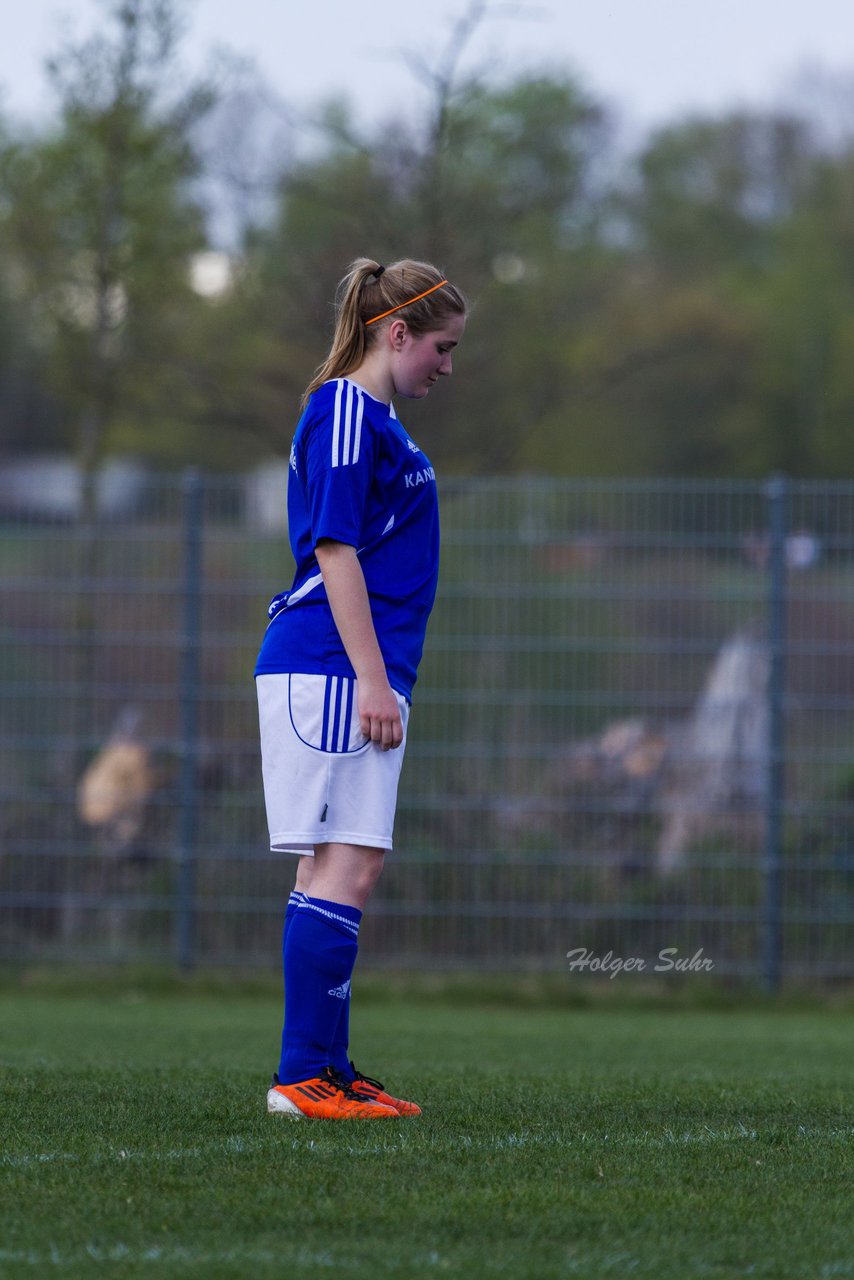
346, 873
305, 870
339, 877
319, 954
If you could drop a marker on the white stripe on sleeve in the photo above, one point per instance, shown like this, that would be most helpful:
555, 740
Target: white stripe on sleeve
336, 422
348, 422
358, 433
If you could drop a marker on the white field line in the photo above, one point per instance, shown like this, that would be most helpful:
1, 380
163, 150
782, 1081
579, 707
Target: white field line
499, 1142
620, 1263
160, 1253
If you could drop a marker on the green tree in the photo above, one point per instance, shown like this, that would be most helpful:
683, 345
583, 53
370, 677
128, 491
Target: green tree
98, 224
710, 192
727, 329
805, 373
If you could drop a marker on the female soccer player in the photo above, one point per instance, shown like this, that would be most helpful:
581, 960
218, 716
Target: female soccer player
340, 655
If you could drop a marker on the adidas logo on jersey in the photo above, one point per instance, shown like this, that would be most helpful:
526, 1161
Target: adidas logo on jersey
341, 992
413, 446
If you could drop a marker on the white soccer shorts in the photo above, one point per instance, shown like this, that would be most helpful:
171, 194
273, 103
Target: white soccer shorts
323, 780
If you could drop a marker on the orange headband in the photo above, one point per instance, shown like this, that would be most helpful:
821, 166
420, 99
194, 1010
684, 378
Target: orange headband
409, 303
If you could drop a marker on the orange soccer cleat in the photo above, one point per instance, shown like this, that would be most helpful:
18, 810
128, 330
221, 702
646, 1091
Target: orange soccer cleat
324, 1097
374, 1091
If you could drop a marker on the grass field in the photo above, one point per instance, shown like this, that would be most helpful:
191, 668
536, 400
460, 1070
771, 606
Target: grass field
579, 1142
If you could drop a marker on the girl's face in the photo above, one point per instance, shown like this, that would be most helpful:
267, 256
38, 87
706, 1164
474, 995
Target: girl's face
420, 361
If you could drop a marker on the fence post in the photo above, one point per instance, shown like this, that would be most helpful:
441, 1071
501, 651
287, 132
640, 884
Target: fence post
777, 495
190, 687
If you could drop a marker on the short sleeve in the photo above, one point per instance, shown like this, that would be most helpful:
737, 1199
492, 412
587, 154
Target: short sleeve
338, 464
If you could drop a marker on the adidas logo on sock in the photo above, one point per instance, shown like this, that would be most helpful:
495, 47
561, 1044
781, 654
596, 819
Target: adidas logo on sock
341, 992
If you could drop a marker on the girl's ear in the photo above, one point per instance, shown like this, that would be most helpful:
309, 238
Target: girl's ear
397, 332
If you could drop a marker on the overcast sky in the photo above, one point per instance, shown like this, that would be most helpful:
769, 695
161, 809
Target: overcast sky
652, 59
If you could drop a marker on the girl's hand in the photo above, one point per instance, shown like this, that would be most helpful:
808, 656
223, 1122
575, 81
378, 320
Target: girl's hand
379, 713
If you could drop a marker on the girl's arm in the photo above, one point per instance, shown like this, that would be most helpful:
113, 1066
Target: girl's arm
351, 609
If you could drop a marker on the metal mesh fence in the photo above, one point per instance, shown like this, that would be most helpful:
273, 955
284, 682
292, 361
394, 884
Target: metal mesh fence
632, 732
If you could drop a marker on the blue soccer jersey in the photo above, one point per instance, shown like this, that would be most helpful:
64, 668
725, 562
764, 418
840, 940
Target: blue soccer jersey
356, 477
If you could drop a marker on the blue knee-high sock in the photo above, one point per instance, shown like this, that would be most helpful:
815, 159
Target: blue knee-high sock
290, 911
339, 1054
320, 951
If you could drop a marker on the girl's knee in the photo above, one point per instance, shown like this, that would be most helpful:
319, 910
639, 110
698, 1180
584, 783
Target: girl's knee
305, 872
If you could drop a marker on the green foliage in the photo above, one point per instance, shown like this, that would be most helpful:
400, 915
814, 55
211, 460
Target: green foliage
98, 226
685, 310
690, 319
744, 223
712, 191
